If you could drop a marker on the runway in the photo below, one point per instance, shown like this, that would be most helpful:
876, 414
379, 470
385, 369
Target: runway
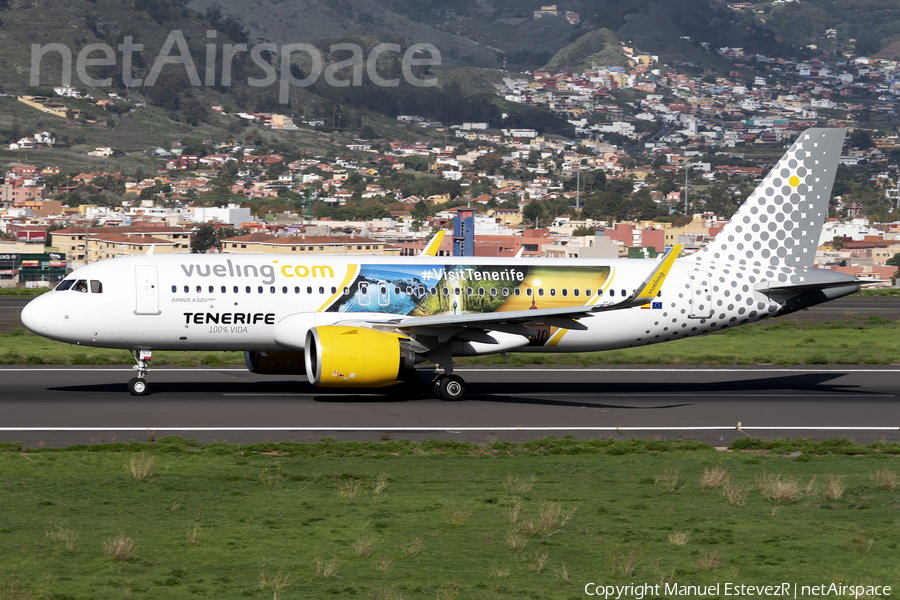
513, 404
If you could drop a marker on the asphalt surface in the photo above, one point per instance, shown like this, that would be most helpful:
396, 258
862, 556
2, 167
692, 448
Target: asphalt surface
515, 404
886, 307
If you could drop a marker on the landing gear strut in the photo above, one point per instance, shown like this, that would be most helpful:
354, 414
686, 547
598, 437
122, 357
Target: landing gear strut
447, 386
138, 385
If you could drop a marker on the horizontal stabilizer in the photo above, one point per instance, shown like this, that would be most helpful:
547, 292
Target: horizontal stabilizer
810, 280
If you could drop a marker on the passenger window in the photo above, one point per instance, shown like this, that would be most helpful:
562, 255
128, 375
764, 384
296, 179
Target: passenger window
296, 289
552, 291
540, 291
518, 292
212, 289
187, 289
493, 291
272, 289
259, 289
67, 283
481, 291
199, 289
346, 291
446, 292
468, 291
224, 289
624, 293
236, 289
575, 292
505, 292
174, 288
333, 290
565, 292
433, 291
529, 292
456, 291
409, 291
321, 290
247, 289
309, 289
397, 289
284, 290
96, 287
612, 292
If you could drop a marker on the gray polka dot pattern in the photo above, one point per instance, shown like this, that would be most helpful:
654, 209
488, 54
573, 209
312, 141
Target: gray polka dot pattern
785, 213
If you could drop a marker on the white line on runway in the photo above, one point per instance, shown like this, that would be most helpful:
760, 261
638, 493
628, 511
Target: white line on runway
748, 369
128, 370
449, 429
610, 395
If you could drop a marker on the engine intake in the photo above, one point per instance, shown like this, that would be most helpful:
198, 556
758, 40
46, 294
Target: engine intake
341, 356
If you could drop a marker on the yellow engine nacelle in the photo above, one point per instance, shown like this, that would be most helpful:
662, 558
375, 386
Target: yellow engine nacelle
340, 356
275, 363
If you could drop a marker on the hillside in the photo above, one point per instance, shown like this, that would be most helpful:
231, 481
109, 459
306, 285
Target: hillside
599, 47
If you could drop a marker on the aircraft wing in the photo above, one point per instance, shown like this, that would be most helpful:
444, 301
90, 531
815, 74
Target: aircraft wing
563, 317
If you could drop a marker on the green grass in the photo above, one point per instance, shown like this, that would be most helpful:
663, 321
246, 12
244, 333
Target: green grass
434, 520
23, 292
871, 340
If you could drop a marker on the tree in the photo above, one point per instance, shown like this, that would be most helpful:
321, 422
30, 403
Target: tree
488, 162
862, 139
838, 244
203, 239
534, 211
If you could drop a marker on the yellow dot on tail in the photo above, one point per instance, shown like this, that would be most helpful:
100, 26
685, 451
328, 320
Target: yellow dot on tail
794, 181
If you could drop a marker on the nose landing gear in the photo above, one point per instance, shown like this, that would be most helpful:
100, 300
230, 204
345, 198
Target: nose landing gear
138, 385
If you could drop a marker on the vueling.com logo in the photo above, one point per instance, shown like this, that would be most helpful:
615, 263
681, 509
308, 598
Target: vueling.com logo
267, 272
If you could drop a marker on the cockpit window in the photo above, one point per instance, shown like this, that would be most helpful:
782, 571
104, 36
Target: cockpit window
64, 285
81, 286
96, 287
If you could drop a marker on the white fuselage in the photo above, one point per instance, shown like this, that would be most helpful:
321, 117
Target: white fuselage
235, 302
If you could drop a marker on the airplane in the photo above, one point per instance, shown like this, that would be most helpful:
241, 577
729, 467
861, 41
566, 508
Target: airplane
367, 321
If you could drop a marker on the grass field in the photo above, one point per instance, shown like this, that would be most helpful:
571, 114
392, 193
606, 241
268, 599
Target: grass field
870, 340
441, 520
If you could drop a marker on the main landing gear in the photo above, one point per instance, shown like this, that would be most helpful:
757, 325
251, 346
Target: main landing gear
449, 387
138, 385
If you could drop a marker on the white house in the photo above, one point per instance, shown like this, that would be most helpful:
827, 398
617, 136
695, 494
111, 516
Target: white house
102, 152
44, 137
24, 144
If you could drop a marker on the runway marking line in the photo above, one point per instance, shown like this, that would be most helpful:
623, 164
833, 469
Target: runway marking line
612, 395
451, 429
749, 369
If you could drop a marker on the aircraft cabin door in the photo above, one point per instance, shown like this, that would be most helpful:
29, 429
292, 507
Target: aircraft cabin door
146, 291
701, 295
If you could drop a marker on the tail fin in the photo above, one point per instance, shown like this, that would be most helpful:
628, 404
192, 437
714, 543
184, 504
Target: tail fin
780, 223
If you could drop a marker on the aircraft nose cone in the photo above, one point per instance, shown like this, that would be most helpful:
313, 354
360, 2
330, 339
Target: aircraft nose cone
34, 317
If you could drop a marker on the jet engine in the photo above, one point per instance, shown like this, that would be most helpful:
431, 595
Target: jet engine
341, 356
275, 363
